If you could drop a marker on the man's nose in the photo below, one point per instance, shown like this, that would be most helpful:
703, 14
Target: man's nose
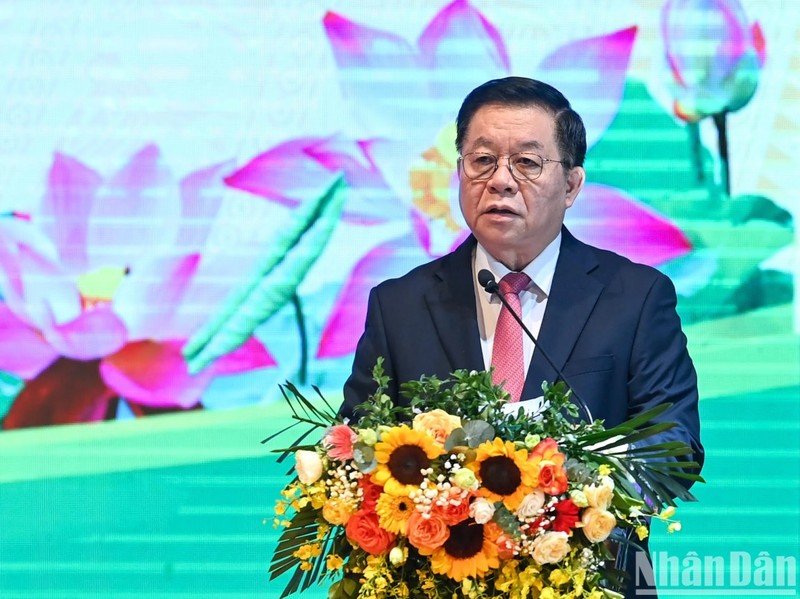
502, 181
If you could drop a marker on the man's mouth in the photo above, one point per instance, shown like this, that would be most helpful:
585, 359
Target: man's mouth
500, 210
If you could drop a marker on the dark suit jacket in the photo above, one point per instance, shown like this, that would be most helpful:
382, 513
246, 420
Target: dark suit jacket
610, 326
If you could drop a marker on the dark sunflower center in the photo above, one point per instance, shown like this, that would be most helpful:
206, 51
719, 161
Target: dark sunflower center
406, 464
466, 539
500, 475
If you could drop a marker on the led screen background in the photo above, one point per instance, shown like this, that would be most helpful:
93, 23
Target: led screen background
154, 157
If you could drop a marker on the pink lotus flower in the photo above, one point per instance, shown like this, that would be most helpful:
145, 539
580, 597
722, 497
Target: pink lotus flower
714, 56
458, 50
403, 172
102, 288
339, 441
285, 173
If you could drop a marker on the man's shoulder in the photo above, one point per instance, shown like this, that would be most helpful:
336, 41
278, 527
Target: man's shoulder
614, 264
430, 272
417, 280
619, 274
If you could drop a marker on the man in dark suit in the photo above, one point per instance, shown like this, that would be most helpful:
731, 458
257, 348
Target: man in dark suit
610, 325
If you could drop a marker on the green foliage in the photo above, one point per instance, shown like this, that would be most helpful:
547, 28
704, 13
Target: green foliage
274, 282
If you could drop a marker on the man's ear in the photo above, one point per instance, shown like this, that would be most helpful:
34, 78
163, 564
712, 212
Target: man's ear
575, 180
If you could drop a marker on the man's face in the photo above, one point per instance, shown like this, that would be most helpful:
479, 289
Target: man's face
516, 219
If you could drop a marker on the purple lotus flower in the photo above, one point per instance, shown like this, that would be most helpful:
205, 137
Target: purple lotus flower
714, 55
103, 286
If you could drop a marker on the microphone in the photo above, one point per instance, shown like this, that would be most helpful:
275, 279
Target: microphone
488, 282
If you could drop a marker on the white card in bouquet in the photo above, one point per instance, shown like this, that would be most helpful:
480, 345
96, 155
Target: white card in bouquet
532, 407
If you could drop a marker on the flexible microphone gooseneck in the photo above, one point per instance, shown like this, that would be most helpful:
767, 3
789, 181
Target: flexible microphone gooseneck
488, 282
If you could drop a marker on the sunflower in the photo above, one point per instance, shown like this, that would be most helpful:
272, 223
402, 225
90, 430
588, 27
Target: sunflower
394, 512
402, 454
468, 552
504, 472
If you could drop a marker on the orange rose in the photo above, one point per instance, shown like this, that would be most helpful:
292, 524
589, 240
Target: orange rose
364, 530
507, 547
547, 449
453, 507
427, 534
552, 479
437, 423
552, 476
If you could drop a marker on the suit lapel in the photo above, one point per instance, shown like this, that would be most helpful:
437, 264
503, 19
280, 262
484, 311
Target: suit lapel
572, 297
452, 307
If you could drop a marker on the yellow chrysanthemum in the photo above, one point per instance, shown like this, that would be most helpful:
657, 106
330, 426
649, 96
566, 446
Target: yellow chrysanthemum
394, 512
468, 552
504, 472
402, 454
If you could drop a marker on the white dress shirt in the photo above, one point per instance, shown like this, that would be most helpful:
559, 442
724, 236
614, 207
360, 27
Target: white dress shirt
533, 299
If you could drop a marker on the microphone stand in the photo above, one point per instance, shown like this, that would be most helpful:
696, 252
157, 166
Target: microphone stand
488, 282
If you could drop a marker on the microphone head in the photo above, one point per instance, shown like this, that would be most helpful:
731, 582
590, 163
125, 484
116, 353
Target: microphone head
486, 279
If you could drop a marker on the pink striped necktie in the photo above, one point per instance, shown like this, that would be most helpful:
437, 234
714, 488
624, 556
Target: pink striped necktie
507, 354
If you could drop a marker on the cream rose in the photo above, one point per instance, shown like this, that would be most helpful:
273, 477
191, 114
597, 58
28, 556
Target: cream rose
481, 510
531, 505
398, 556
308, 465
551, 548
607, 481
597, 524
599, 496
437, 423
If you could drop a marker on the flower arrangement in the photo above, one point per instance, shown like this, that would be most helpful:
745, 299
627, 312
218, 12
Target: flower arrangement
457, 494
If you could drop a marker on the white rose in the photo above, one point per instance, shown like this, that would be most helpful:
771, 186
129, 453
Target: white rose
368, 436
551, 548
481, 511
579, 498
597, 524
531, 505
308, 465
464, 478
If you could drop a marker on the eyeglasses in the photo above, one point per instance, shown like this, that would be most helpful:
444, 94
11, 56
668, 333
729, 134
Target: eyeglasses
522, 165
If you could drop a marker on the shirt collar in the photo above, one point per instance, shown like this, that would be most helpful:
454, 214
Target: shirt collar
540, 270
